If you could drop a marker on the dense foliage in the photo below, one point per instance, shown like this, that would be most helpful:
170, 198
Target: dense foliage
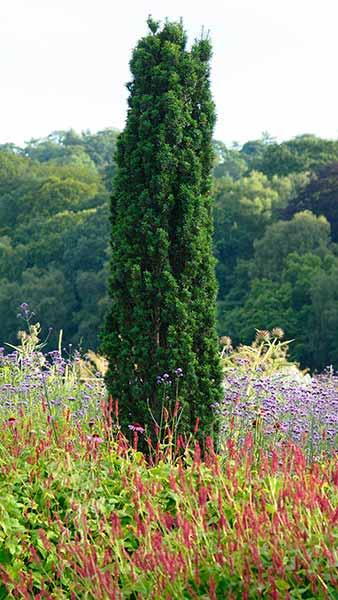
54, 233
162, 282
84, 514
54, 239
275, 234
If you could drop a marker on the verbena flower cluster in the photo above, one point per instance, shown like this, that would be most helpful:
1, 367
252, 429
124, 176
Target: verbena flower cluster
28, 377
166, 379
280, 407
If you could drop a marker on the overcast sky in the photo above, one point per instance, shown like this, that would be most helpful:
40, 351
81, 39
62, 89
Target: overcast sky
64, 63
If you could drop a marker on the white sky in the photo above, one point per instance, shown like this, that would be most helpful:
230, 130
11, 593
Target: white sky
64, 63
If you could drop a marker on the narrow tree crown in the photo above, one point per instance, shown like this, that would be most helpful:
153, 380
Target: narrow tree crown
162, 282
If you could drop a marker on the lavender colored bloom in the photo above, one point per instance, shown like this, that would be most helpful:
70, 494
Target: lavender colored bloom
302, 409
165, 378
136, 427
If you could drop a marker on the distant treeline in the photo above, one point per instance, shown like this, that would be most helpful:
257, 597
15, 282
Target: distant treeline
275, 238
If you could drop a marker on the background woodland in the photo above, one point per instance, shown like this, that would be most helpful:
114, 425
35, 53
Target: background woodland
275, 239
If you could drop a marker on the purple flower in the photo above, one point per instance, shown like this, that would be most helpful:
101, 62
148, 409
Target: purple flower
136, 427
25, 313
166, 378
298, 409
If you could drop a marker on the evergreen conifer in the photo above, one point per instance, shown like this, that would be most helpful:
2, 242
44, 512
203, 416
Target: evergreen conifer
162, 283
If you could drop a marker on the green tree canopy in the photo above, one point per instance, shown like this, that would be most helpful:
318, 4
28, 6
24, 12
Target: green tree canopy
303, 153
304, 233
303, 301
242, 211
320, 196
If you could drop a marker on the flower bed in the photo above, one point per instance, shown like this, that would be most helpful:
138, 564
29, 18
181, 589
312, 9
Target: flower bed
85, 515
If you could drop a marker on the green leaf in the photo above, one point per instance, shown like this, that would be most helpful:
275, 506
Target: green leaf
282, 584
5, 556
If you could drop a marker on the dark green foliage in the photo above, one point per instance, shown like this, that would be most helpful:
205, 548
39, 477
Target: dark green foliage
54, 236
303, 153
242, 210
266, 305
162, 283
291, 283
320, 196
253, 151
314, 281
304, 233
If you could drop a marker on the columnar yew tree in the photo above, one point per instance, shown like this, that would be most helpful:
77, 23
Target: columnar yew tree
162, 282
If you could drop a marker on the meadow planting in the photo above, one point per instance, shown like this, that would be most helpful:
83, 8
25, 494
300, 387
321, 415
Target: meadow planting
85, 514
142, 457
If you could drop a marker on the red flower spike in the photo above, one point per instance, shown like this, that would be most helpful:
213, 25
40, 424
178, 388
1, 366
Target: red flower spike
212, 589
197, 454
